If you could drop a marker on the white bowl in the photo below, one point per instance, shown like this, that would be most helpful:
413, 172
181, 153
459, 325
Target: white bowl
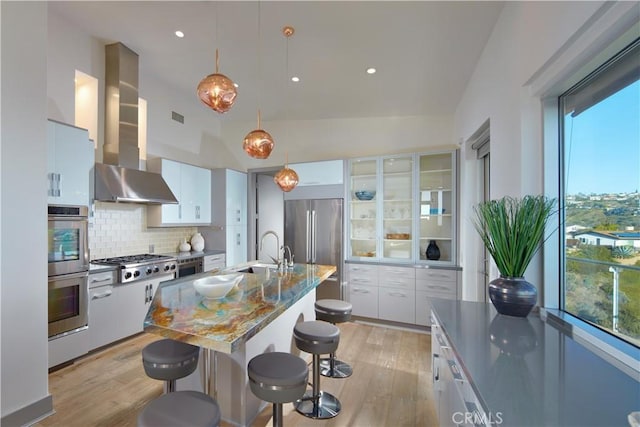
216, 287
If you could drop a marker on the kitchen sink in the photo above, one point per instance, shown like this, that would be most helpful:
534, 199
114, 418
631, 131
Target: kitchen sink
257, 268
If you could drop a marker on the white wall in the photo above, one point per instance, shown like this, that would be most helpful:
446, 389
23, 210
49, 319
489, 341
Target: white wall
311, 140
23, 215
526, 36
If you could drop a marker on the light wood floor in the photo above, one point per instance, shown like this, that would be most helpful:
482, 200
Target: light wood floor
390, 385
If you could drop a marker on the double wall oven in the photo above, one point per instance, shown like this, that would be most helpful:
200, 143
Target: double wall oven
68, 266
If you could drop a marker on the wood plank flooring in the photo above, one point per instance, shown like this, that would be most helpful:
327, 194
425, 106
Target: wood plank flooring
390, 385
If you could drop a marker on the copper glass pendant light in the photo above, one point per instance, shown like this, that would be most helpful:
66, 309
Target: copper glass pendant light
258, 143
286, 178
217, 91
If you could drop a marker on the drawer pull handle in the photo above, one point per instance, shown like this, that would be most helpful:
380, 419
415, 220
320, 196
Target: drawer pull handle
360, 291
101, 280
397, 294
102, 295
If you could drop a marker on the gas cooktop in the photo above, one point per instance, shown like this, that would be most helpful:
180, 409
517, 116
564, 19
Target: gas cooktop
138, 267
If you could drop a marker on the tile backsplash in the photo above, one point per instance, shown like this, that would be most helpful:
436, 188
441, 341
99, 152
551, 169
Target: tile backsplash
119, 229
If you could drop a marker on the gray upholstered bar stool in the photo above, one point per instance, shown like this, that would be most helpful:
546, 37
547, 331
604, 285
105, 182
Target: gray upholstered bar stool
169, 360
278, 378
333, 311
181, 408
317, 338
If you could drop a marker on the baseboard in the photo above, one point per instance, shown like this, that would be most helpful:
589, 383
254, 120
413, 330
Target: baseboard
30, 414
392, 325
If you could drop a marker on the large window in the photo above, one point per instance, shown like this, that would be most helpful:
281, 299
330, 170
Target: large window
600, 150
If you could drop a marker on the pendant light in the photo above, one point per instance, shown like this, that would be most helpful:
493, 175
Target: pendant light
286, 178
258, 143
217, 91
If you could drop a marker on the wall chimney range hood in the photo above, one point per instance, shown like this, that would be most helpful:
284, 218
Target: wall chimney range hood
119, 178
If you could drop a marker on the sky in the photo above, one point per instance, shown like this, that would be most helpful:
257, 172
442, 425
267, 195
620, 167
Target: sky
602, 145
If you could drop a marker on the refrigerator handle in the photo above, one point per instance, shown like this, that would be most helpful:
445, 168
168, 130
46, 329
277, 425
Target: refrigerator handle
314, 225
308, 242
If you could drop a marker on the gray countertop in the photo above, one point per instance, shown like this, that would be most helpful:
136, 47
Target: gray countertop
194, 254
534, 372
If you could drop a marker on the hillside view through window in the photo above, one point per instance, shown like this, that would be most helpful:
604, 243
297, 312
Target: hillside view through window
601, 152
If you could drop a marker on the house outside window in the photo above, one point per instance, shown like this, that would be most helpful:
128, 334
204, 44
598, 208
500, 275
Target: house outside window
600, 192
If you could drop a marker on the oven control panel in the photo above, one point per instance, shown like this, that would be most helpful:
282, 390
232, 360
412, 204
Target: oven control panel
139, 272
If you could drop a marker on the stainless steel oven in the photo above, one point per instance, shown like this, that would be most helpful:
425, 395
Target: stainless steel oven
68, 303
68, 250
189, 266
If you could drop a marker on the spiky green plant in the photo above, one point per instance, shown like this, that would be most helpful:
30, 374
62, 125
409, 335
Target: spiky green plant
512, 230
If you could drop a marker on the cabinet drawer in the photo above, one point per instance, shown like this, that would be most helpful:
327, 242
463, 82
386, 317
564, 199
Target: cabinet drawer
397, 305
214, 261
363, 269
437, 286
366, 275
399, 282
364, 300
393, 272
437, 274
102, 278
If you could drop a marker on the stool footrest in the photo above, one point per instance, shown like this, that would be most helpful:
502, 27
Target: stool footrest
320, 407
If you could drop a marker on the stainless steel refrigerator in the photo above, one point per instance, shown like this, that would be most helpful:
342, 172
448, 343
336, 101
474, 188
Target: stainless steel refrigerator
313, 231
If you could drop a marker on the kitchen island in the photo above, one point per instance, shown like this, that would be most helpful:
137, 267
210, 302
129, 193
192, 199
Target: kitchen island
255, 317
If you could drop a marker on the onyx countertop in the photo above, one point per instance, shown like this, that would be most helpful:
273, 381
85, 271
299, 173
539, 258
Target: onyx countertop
536, 371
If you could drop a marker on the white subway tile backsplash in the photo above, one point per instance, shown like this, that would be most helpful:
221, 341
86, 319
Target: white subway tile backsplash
121, 229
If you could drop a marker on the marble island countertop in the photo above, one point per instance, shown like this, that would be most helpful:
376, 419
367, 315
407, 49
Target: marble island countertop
179, 312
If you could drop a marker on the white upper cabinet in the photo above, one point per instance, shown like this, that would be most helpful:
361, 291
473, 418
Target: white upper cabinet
70, 159
192, 187
400, 205
327, 172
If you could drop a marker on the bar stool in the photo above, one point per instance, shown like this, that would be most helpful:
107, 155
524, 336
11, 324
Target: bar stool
317, 338
169, 360
333, 311
181, 408
278, 378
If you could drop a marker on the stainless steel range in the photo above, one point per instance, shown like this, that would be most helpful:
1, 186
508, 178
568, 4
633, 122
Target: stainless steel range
139, 267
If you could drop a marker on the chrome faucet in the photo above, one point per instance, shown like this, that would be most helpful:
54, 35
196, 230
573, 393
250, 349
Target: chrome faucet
277, 259
288, 264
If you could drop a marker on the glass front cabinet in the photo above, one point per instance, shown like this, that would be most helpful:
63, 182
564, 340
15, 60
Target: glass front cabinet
403, 208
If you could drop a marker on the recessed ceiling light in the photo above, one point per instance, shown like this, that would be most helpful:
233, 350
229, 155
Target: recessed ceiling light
179, 34
295, 79
371, 70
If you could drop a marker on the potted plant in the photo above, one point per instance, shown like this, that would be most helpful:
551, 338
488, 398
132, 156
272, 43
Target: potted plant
512, 230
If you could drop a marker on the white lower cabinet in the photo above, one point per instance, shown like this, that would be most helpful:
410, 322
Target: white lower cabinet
454, 399
103, 329
433, 283
398, 293
117, 310
213, 262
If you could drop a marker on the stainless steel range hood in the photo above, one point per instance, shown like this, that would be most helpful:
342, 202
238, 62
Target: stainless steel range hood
119, 178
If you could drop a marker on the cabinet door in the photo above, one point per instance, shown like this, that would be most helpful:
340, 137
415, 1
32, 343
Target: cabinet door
363, 209
423, 304
236, 244
132, 307
171, 172
236, 197
397, 305
364, 300
70, 160
328, 172
397, 208
436, 188
103, 326
195, 202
